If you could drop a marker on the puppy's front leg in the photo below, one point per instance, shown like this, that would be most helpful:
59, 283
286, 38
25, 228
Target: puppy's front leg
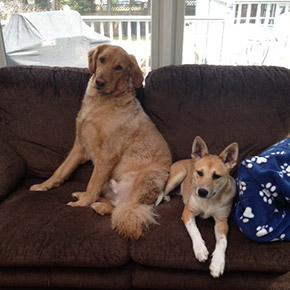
218, 257
199, 248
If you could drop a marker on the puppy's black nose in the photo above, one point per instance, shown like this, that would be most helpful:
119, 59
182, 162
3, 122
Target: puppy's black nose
100, 83
202, 192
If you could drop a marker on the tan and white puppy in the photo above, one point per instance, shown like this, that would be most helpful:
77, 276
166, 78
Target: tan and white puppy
208, 191
131, 159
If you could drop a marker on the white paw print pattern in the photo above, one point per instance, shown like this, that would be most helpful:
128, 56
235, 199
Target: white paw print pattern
242, 187
263, 230
281, 238
247, 215
257, 159
268, 192
285, 169
278, 153
277, 144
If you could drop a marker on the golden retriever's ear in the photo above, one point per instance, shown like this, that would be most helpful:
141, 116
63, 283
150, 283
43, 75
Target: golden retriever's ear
92, 60
92, 57
136, 73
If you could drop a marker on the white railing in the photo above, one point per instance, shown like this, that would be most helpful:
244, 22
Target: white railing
99, 23
203, 39
260, 12
211, 40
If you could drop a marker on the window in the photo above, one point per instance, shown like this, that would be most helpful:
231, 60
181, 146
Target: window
219, 32
62, 36
237, 32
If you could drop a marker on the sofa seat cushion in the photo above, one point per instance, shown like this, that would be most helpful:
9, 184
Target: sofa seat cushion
174, 250
33, 278
157, 278
39, 229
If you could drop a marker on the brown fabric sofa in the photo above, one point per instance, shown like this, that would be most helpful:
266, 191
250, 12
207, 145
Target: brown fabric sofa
45, 243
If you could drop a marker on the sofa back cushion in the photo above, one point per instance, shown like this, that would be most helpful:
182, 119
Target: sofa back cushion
222, 104
38, 107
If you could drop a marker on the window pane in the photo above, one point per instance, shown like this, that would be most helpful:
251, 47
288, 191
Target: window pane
237, 33
60, 32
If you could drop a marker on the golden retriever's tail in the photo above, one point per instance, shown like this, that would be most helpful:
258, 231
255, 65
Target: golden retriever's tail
129, 218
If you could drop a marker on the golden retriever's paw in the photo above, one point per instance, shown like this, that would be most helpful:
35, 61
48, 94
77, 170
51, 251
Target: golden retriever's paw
102, 208
80, 202
77, 195
39, 187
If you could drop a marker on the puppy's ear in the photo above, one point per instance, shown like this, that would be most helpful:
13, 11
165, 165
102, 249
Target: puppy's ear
92, 57
199, 148
230, 155
135, 72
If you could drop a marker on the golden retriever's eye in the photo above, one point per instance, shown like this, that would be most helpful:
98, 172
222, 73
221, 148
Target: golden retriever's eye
200, 173
102, 60
215, 176
118, 67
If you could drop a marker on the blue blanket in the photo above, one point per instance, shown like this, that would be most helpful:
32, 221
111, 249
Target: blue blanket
262, 209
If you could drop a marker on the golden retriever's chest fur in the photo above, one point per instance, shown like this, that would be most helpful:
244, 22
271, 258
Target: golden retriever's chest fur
95, 123
100, 122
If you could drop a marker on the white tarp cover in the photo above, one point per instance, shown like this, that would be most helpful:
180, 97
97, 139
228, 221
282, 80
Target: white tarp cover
56, 38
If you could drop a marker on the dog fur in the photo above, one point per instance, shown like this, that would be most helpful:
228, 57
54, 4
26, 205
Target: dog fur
131, 159
208, 191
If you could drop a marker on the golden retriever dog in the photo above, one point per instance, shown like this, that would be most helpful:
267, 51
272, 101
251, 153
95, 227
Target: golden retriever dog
131, 159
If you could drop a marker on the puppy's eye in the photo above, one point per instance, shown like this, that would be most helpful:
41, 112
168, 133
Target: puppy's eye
199, 173
118, 67
215, 176
102, 60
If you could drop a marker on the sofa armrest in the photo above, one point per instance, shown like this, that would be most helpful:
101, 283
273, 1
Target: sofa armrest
12, 169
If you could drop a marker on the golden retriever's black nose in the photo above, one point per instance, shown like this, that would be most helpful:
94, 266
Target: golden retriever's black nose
100, 83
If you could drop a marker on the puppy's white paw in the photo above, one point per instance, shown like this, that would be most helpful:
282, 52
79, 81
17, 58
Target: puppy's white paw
217, 265
200, 252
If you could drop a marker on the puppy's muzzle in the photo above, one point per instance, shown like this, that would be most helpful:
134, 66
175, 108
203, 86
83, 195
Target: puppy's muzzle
205, 193
100, 83
202, 192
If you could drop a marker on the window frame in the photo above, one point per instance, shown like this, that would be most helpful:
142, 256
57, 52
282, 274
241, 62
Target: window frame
3, 61
167, 32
